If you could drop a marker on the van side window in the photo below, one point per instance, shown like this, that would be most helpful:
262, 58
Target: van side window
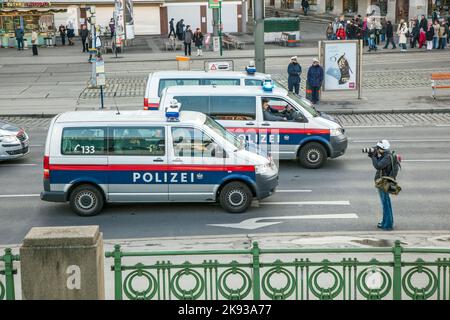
190, 142
83, 141
233, 108
137, 141
194, 103
222, 82
253, 82
164, 83
280, 109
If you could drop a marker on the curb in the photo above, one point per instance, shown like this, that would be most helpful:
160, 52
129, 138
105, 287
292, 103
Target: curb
331, 112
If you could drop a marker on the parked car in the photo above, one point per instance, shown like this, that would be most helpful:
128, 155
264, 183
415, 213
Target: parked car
14, 142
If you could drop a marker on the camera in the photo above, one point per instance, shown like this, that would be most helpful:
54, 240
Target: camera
368, 150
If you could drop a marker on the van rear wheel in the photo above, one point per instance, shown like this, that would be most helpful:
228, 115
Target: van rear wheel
236, 197
86, 200
312, 155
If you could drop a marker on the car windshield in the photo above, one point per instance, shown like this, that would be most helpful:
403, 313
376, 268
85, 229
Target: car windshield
221, 131
304, 103
8, 127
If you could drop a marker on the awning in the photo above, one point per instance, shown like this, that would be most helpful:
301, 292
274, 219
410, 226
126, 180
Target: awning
31, 11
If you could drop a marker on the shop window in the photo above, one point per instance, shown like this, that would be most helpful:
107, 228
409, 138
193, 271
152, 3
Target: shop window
350, 7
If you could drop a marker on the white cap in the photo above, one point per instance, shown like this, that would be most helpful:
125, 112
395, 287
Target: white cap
383, 144
294, 58
315, 60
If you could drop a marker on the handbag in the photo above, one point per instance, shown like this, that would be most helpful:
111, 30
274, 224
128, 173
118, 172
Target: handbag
388, 184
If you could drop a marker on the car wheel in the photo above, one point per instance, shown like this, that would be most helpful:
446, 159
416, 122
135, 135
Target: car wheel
86, 200
312, 155
236, 197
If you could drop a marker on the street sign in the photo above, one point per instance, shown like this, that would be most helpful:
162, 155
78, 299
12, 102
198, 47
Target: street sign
214, 4
219, 66
216, 44
100, 66
101, 79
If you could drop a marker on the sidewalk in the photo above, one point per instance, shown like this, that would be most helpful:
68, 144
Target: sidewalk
331, 240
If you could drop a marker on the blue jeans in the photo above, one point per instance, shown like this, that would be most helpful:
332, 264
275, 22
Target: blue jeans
443, 43
372, 44
19, 43
435, 42
388, 218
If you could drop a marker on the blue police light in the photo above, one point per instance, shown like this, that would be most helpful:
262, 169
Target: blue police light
268, 85
251, 69
173, 111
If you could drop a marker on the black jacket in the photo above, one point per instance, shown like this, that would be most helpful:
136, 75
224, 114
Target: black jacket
84, 33
389, 30
382, 164
429, 34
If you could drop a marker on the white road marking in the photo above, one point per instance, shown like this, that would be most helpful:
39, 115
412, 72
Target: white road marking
403, 140
301, 203
291, 191
442, 125
381, 126
18, 165
36, 145
252, 224
18, 195
426, 160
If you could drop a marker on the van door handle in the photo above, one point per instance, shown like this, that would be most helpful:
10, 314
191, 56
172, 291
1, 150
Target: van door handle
158, 160
265, 124
177, 160
250, 124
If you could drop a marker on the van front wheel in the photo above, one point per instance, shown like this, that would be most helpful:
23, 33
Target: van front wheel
86, 200
236, 197
312, 155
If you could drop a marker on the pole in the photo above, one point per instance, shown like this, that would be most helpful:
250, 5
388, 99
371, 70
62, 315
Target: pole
101, 96
215, 13
258, 35
220, 28
360, 50
244, 16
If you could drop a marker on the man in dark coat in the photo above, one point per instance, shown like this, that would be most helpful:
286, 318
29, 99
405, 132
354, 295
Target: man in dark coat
19, 37
305, 6
172, 28
415, 33
423, 23
180, 29
389, 35
294, 71
315, 79
84, 33
62, 34
188, 35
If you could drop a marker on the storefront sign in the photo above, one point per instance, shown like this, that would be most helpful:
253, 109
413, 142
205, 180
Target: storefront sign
216, 44
14, 4
214, 4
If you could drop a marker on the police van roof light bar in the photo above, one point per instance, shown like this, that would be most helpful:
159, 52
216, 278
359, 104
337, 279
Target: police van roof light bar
173, 111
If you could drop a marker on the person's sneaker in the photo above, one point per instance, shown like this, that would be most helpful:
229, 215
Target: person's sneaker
380, 225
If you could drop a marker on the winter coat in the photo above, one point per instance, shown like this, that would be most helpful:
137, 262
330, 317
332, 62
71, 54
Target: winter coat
188, 35
389, 30
442, 32
18, 33
436, 30
305, 4
294, 71
198, 39
416, 31
423, 24
84, 34
382, 164
340, 34
429, 34
269, 116
315, 76
402, 34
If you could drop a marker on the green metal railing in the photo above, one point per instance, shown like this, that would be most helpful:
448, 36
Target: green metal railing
8, 271
300, 277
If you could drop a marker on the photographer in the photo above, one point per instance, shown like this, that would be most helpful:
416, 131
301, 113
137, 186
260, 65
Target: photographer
381, 160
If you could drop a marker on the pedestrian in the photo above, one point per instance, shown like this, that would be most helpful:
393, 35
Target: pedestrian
329, 31
349, 31
171, 27
84, 33
415, 33
364, 32
378, 27
340, 34
112, 27
382, 161
305, 6
335, 27
198, 41
34, 42
70, 33
180, 29
402, 31
294, 71
372, 37
19, 37
443, 35
429, 34
383, 30
62, 34
389, 35
436, 27
315, 79
188, 35
423, 23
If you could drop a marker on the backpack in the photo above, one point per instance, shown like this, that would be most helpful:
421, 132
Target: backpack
395, 163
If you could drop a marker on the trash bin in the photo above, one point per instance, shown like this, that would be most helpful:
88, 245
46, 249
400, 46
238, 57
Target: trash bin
184, 63
291, 41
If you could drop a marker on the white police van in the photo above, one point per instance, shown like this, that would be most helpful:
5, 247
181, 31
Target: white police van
303, 133
93, 157
158, 81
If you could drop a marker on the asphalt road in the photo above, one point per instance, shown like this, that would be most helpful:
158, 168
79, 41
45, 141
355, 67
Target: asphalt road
343, 189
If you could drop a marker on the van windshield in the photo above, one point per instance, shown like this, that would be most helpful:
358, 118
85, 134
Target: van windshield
224, 133
304, 103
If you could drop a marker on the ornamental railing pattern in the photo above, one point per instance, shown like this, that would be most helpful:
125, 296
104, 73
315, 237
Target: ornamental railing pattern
395, 274
7, 273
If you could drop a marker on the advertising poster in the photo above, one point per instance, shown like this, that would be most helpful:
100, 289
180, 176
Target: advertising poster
119, 22
340, 65
129, 19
